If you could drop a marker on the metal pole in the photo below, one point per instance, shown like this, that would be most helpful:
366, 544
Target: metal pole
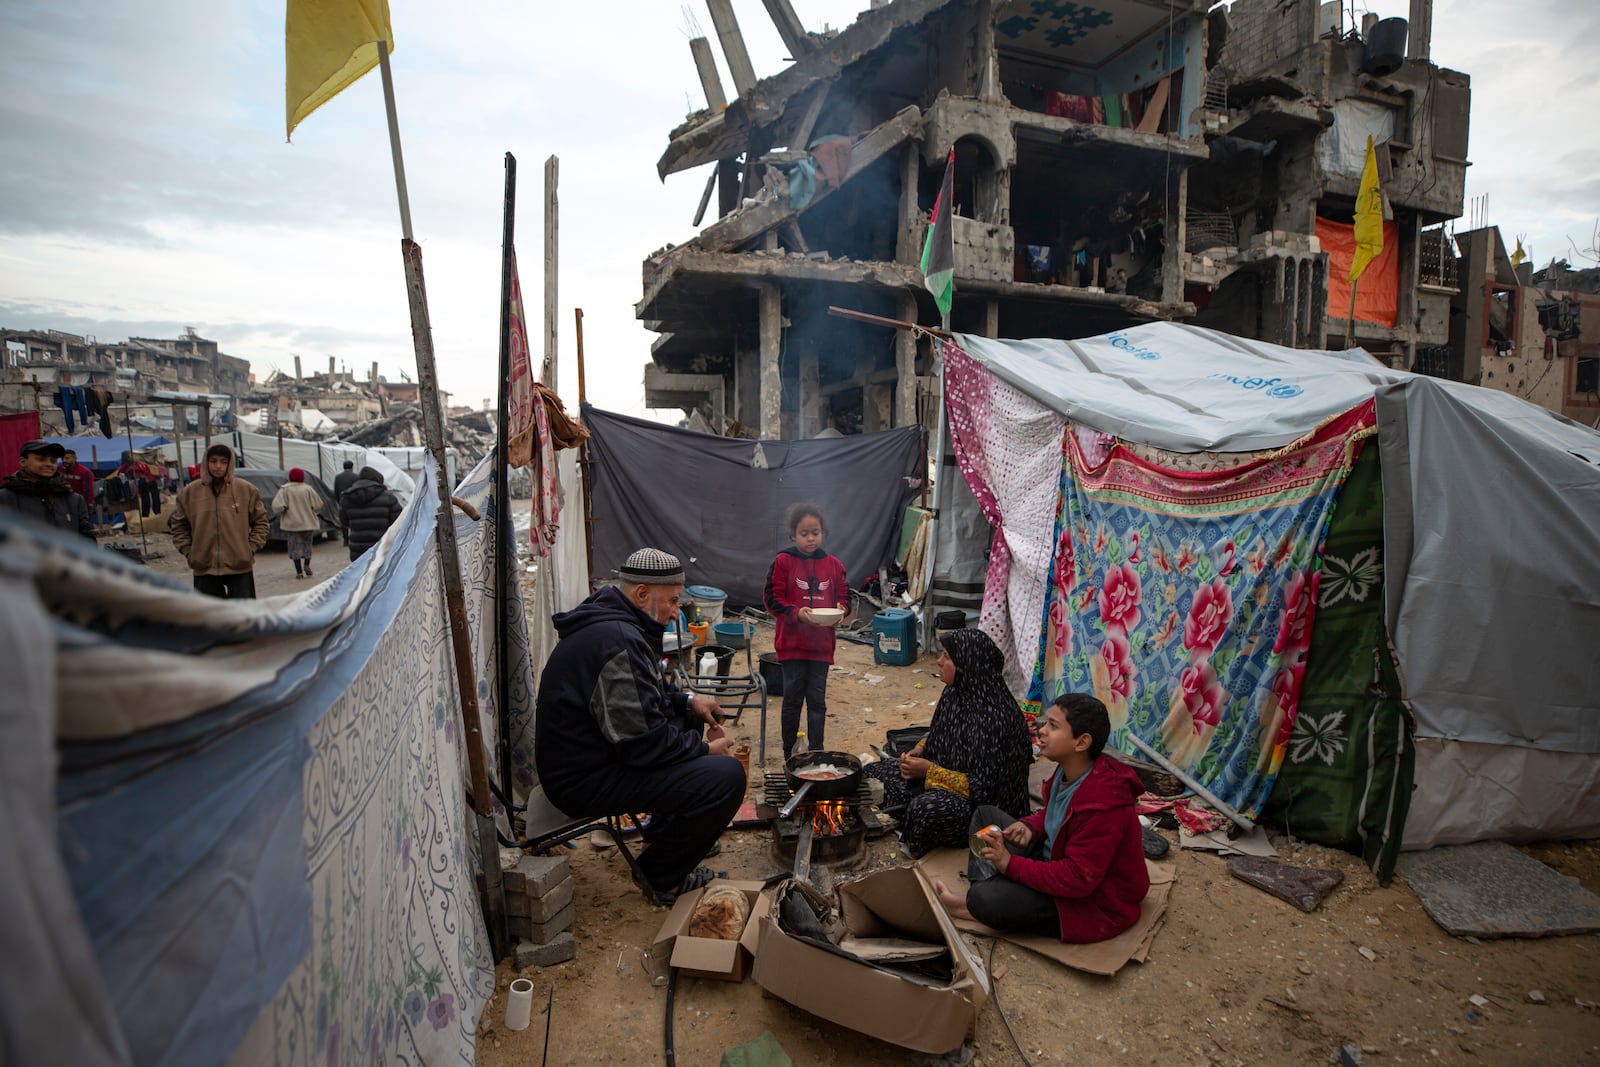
127, 428
494, 902
505, 540
1201, 791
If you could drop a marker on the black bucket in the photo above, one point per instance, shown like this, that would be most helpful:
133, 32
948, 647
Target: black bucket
723, 653
772, 673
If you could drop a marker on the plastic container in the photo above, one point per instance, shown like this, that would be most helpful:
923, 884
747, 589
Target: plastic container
894, 637
732, 634
699, 630
724, 656
709, 600
1385, 52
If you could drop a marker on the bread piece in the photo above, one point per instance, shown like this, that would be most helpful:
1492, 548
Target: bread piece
720, 913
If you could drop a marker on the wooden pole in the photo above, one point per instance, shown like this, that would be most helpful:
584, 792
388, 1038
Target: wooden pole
585, 466
552, 269
577, 315
1350, 319
879, 320
494, 902
205, 415
505, 533
280, 448
127, 428
177, 437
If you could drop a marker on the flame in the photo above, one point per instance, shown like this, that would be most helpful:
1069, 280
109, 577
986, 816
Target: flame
827, 818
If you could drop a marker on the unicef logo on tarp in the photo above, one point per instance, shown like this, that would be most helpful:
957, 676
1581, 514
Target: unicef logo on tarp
1276, 388
1120, 340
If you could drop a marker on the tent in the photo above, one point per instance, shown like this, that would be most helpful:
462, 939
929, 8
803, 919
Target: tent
718, 503
251, 848
104, 454
268, 482
1311, 581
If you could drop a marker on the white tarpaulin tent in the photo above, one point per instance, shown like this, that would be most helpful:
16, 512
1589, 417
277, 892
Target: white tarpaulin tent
1491, 515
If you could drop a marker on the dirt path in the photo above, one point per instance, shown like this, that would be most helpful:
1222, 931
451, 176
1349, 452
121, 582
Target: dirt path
1234, 977
274, 569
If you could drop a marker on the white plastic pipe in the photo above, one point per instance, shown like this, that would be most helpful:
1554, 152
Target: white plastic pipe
519, 1004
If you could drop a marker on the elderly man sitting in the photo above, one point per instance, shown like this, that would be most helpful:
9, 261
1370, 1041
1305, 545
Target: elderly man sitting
614, 736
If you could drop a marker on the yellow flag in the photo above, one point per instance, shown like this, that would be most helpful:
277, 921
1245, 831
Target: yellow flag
328, 45
1369, 217
1518, 256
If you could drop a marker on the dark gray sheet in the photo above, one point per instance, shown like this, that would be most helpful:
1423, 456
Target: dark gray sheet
718, 503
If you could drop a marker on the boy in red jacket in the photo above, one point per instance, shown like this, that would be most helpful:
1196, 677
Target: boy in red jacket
1076, 869
802, 578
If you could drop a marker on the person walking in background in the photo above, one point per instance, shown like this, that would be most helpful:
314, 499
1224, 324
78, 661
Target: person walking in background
342, 481
800, 579
81, 479
143, 477
219, 525
39, 491
366, 510
297, 505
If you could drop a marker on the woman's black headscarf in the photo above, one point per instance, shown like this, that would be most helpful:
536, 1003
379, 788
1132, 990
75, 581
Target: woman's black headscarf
978, 728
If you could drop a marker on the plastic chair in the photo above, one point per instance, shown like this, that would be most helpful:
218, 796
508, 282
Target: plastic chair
732, 690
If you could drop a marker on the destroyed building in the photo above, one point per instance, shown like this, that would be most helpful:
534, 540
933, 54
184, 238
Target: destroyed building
1535, 335
1198, 161
142, 365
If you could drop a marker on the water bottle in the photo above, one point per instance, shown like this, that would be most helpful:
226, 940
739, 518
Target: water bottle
800, 745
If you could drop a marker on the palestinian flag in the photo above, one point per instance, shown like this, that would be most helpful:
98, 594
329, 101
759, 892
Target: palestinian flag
939, 251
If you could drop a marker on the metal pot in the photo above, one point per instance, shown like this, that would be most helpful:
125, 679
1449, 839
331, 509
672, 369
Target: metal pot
831, 789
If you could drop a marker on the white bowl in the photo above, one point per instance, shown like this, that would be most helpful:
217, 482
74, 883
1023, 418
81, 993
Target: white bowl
827, 616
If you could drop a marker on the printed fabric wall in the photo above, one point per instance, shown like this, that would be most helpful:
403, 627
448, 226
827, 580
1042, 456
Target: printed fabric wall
262, 820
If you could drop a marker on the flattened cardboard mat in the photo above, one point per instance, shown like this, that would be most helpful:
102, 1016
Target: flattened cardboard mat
1103, 957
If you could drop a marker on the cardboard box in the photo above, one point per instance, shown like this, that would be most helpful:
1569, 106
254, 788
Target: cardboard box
710, 957
898, 902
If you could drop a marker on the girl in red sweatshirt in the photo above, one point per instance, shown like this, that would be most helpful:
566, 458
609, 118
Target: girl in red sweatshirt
800, 579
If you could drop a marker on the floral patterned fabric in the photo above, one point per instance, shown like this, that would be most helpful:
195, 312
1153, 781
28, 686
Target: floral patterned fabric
1008, 448
1185, 600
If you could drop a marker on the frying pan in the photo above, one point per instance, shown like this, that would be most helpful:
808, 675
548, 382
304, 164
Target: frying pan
831, 789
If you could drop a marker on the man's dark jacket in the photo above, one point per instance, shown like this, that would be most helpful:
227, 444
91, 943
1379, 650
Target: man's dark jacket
50, 500
366, 510
604, 701
342, 481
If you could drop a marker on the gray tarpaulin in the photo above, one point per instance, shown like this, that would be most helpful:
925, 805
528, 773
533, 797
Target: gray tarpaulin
1491, 513
718, 503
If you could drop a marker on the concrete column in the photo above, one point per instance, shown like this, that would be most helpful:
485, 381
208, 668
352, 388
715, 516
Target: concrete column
1172, 259
991, 318
905, 364
1420, 25
744, 75
810, 395
706, 64
877, 404
789, 27
770, 308
905, 249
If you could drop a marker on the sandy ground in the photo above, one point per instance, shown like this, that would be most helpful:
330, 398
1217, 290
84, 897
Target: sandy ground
1234, 977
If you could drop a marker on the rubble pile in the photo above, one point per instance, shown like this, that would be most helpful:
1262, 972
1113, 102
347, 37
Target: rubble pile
471, 435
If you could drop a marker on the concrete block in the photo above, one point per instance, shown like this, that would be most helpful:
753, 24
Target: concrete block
558, 949
534, 876
545, 908
527, 929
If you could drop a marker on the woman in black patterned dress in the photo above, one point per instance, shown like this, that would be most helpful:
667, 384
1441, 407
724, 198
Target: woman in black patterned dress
977, 751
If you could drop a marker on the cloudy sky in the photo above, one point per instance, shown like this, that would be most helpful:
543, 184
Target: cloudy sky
148, 186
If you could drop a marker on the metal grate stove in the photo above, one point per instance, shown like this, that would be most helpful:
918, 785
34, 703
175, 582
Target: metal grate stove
831, 833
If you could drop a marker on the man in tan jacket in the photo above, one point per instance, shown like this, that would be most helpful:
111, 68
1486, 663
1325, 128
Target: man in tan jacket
218, 526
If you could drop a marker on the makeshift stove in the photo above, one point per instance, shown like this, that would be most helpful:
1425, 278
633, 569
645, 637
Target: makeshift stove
830, 833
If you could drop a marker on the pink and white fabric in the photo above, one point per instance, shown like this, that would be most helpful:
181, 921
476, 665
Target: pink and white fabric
1008, 447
